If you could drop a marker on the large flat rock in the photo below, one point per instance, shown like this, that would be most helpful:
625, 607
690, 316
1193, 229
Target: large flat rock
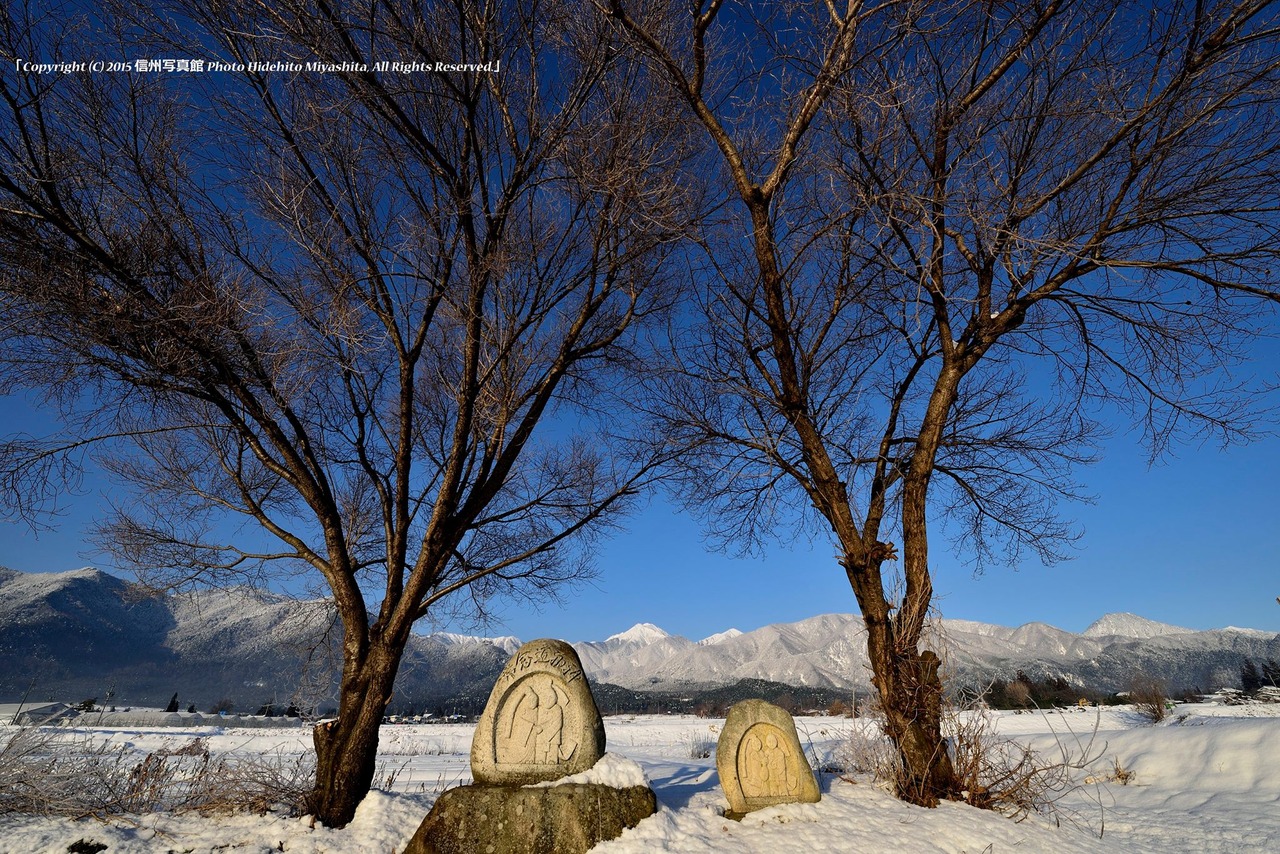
570, 818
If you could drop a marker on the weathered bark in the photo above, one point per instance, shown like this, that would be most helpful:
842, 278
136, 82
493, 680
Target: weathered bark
347, 747
912, 701
912, 693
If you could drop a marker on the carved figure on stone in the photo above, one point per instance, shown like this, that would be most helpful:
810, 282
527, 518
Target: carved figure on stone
762, 765
534, 727
550, 736
523, 728
541, 722
760, 760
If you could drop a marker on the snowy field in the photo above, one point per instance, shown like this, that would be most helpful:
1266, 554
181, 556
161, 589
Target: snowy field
1206, 779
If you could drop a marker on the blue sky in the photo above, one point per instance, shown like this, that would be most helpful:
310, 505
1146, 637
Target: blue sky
1193, 541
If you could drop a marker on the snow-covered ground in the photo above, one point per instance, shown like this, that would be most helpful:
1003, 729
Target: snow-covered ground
1207, 779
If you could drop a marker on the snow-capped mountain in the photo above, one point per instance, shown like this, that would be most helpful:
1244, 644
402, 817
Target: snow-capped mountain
830, 651
640, 648
507, 643
1131, 626
727, 634
79, 634
821, 651
641, 634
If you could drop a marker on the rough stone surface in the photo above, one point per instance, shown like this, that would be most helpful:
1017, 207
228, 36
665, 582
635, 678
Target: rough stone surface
566, 819
760, 760
541, 722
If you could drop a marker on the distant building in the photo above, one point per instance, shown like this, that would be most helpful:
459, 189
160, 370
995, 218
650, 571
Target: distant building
32, 714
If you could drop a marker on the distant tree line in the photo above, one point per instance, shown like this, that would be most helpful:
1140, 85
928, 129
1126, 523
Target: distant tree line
1254, 676
1024, 692
713, 702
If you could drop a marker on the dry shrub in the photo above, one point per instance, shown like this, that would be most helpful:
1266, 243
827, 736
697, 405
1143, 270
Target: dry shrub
255, 783
1019, 693
995, 772
867, 751
1148, 697
42, 772
1001, 774
49, 772
702, 745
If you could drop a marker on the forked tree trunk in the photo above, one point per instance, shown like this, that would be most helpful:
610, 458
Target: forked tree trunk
910, 692
347, 747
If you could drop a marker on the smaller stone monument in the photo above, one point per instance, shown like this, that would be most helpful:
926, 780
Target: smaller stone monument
540, 726
760, 760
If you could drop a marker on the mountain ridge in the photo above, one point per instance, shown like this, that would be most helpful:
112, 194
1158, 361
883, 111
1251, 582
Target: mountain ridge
86, 633
1124, 624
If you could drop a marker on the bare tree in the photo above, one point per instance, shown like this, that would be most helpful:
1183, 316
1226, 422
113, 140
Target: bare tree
952, 232
378, 313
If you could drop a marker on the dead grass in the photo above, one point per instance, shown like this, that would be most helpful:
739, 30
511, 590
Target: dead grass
1117, 774
702, 745
51, 772
995, 772
999, 773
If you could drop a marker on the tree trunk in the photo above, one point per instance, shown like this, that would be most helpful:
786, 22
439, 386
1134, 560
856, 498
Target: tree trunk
912, 695
913, 720
347, 747
910, 691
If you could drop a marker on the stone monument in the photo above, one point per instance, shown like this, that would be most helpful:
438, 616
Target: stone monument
541, 722
760, 760
540, 725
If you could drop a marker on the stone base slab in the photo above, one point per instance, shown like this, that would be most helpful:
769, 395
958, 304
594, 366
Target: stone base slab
566, 819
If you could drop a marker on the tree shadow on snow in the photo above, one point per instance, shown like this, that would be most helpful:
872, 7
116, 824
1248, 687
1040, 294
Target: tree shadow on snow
676, 789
